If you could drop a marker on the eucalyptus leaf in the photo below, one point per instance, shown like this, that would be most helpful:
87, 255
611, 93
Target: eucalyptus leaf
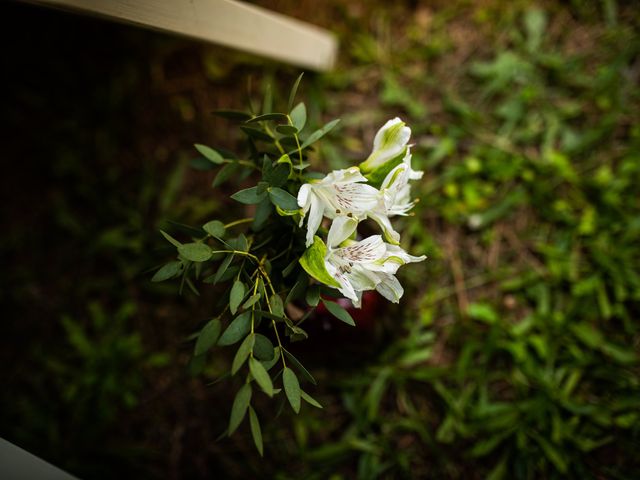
261, 376
309, 399
236, 330
170, 239
283, 199
256, 433
299, 116
313, 296
235, 296
278, 175
223, 268
210, 154
225, 173
256, 134
298, 289
251, 301
208, 337
214, 228
339, 312
287, 130
277, 308
318, 134
296, 363
243, 353
263, 348
291, 388
239, 407
263, 212
195, 252
249, 196
294, 90
267, 117
167, 271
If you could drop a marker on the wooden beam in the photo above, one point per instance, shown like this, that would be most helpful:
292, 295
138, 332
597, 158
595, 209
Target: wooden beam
224, 22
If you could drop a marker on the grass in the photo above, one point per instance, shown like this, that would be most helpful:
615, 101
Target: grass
514, 352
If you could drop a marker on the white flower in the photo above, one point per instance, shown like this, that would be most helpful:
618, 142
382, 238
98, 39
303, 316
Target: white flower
339, 193
388, 144
395, 197
369, 264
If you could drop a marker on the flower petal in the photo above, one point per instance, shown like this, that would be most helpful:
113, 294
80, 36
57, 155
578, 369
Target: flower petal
355, 197
368, 250
347, 175
390, 288
315, 218
388, 143
342, 228
345, 286
390, 235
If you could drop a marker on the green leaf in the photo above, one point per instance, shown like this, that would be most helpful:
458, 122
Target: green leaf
251, 301
339, 312
195, 252
239, 407
209, 153
256, 433
289, 268
239, 243
296, 363
277, 308
313, 296
287, 130
208, 337
257, 134
283, 199
263, 348
263, 212
309, 399
167, 271
318, 134
236, 330
299, 116
249, 196
294, 90
243, 353
313, 262
170, 239
268, 364
298, 289
268, 116
225, 173
291, 388
261, 376
223, 268
215, 228
236, 296
278, 175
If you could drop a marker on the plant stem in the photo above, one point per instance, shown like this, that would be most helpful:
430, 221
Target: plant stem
238, 222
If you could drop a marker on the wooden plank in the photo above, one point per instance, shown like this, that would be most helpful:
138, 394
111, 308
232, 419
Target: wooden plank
225, 22
18, 463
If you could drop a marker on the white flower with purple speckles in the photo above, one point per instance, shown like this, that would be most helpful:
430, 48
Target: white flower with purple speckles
369, 264
395, 197
342, 192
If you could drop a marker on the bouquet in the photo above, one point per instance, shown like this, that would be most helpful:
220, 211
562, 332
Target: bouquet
300, 246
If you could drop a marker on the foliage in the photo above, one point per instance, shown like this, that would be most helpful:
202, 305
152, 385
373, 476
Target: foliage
272, 262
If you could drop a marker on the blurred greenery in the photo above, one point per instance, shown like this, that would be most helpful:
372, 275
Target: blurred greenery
515, 351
